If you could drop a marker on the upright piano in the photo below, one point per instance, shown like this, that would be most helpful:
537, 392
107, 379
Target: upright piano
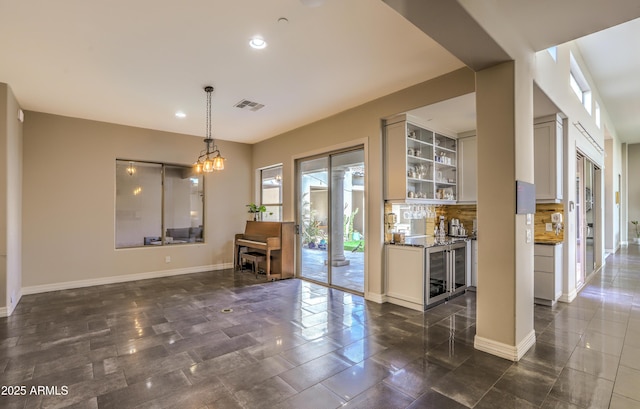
275, 240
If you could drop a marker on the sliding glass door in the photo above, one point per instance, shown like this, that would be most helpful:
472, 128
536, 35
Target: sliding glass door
313, 219
331, 219
587, 175
580, 222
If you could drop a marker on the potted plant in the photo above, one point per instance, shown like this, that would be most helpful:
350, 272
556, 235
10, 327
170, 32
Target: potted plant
312, 233
637, 238
256, 211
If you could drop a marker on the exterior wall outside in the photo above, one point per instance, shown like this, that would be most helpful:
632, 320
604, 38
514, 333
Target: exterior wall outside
69, 203
351, 128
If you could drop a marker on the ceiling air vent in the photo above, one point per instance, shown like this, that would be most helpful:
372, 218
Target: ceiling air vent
249, 105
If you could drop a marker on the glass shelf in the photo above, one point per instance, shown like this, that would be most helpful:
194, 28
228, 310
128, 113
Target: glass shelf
430, 164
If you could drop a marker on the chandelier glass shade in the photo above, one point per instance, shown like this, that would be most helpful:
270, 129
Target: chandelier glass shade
210, 158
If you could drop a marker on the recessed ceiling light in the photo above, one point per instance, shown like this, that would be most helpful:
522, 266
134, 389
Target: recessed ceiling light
258, 43
180, 114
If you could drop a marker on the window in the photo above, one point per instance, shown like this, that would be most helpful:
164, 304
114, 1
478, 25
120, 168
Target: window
157, 204
579, 84
271, 192
554, 52
597, 114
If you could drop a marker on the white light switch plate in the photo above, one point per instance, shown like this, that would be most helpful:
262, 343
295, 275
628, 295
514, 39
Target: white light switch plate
529, 238
548, 226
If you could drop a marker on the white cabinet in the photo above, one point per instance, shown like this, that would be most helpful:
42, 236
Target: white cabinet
548, 159
420, 164
547, 272
467, 169
405, 276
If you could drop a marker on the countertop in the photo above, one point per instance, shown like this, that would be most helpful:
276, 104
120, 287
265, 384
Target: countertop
423, 241
547, 243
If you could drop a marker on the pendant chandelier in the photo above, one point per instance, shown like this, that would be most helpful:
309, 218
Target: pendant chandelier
210, 158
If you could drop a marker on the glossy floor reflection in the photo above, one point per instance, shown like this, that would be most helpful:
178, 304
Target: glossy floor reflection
166, 343
350, 276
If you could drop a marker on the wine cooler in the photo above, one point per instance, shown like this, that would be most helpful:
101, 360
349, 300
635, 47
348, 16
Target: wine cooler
446, 272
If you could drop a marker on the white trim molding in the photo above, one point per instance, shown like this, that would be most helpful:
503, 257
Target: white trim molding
569, 297
67, 285
510, 352
375, 297
417, 306
3, 312
12, 306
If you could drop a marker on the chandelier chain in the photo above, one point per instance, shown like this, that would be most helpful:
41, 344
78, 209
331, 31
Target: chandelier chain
209, 159
209, 91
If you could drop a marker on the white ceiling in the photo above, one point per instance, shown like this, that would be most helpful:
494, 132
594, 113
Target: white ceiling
137, 63
450, 117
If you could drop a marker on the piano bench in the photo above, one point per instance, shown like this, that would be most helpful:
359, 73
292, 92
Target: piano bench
254, 258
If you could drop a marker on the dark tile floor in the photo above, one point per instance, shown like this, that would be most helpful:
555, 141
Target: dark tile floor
165, 343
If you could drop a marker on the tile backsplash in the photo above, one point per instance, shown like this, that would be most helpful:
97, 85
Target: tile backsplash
467, 213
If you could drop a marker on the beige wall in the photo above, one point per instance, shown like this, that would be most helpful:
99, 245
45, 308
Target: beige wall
634, 189
3, 193
505, 264
69, 196
352, 127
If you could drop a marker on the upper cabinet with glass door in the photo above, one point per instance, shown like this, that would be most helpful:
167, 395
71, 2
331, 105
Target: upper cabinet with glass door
420, 164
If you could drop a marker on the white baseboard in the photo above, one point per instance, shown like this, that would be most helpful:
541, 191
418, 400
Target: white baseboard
13, 306
510, 352
375, 297
569, 297
67, 285
404, 303
8, 310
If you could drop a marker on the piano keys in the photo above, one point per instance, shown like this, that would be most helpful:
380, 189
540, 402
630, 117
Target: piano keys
275, 240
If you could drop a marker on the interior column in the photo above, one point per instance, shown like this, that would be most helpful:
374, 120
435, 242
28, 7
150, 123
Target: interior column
504, 100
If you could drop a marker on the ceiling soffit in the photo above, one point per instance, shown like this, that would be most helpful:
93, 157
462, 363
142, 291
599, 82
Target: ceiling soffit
449, 24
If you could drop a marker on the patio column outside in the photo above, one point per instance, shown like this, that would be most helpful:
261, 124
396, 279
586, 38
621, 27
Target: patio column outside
337, 218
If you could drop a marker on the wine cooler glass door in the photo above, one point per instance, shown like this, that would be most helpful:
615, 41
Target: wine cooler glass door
437, 283
459, 267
